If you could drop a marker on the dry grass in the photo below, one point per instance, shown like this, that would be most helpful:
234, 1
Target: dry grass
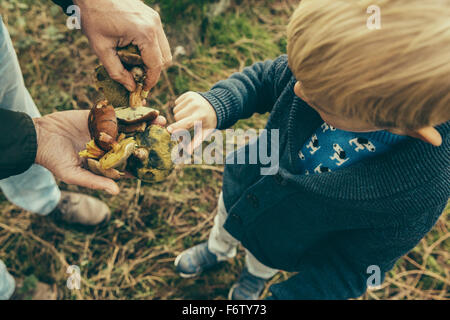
132, 257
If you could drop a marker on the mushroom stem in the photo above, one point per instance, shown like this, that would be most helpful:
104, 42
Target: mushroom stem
104, 137
144, 94
138, 74
135, 97
91, 151
141, 154
115, 146
111, 173
119, 154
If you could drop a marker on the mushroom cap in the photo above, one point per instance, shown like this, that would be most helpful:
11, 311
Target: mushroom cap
102, 122
113, 91
117, 157
139, 114
130, 55
157, 141
132, 128
96, 168
91, 151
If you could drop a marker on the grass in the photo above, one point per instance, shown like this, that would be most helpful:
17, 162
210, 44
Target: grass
132, 257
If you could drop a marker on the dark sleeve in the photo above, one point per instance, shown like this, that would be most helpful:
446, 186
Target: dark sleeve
63, 4
255, 89
18, 143
343, 267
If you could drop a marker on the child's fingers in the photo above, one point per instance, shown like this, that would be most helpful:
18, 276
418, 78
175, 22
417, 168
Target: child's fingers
179, 106
198, 139
160, 121
128, 175
185, 124
183, 113
182, 97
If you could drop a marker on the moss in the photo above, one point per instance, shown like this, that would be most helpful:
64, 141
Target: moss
173, 11
182, 84
227, 30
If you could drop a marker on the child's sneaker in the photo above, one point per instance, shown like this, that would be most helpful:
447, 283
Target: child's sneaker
193, 261
249, 287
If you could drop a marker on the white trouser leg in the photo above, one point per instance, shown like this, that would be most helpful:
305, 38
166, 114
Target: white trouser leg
34, 190
224, 245
220, 241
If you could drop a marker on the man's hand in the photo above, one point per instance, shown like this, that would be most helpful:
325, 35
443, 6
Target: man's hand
60, 136
109, 24
189, 108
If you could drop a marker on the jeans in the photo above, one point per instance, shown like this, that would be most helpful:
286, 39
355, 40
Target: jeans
224, 245
34, 190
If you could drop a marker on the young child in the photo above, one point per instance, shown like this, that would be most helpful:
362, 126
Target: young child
364, 172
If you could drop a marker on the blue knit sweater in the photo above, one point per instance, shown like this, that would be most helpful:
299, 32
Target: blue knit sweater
332, 227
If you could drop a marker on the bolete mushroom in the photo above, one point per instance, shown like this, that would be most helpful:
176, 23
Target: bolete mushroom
113, 91
92, 151
116, 93
111, 173
152, 159
130, 55
132, 128
136, 115
146, 152
102, 123
118, 157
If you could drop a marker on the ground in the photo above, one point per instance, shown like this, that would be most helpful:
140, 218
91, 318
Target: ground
132, 257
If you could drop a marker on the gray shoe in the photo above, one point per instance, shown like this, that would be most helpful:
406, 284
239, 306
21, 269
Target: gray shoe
81, 209
249, 287
193, 261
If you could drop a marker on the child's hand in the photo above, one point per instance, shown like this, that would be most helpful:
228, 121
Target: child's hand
191, 107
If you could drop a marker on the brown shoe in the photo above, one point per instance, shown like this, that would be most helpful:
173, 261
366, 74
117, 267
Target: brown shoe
81, 209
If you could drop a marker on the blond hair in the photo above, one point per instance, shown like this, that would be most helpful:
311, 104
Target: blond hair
394, 77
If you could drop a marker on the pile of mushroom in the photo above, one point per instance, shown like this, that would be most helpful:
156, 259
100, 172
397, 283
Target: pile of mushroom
123, 138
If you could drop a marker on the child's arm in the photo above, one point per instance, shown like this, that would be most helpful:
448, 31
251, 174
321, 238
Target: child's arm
255, 89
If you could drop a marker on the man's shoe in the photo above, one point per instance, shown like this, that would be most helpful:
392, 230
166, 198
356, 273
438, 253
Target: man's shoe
81, 209
249, 287
193, 261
